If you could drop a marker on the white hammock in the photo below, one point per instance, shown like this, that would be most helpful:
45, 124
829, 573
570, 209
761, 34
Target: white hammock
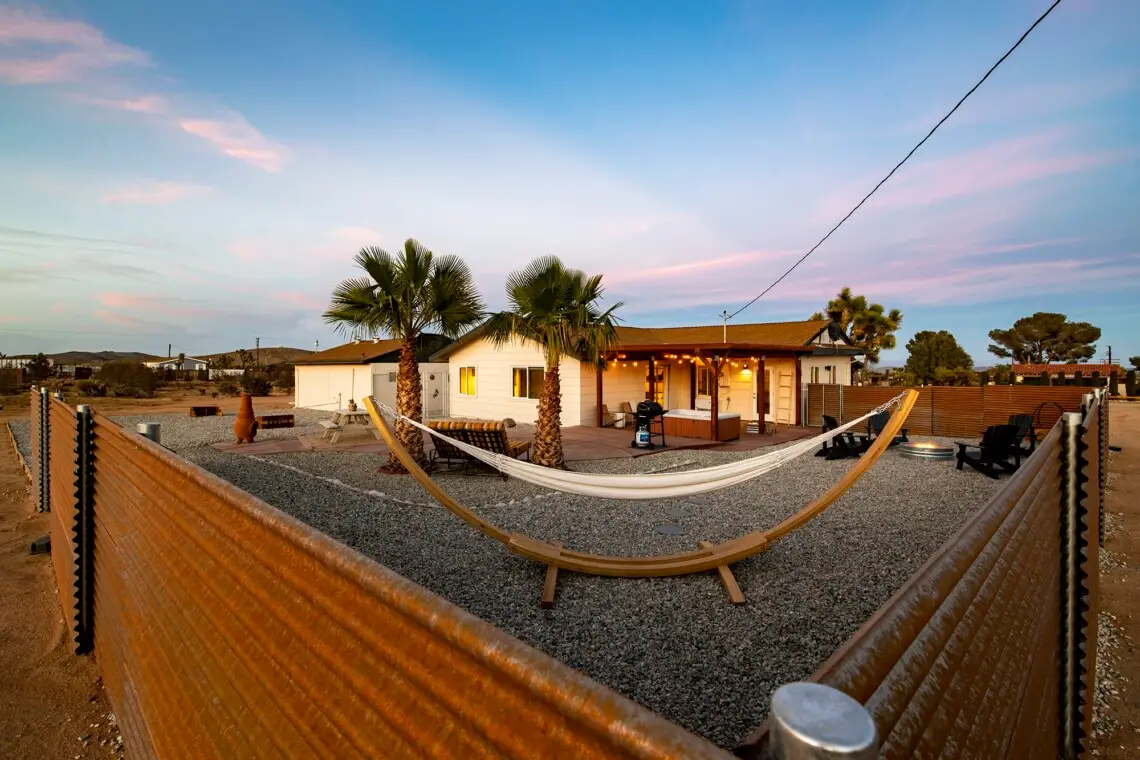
649, 486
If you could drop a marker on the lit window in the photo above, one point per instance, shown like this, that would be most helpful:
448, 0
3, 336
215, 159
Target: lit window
467, 381
526, 382
705, 380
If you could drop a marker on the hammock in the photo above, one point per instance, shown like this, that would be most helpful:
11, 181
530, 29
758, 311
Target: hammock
647, 486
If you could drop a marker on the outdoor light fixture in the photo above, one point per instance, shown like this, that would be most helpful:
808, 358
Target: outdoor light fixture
746, 371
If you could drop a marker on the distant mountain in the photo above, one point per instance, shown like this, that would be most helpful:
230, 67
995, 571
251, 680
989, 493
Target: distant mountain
92, 357
269, 356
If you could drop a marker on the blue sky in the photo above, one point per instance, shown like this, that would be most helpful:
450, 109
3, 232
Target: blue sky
203, 173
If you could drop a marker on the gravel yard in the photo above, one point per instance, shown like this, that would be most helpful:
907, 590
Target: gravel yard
673, 644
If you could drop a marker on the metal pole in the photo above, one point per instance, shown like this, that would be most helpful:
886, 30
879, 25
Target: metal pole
151, 430
810, 721
1070, 582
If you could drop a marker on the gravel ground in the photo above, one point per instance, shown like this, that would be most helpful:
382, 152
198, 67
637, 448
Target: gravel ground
673, 644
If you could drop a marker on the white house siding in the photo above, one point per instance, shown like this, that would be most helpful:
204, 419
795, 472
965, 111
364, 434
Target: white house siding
622, 384
588, 394
330, 386
493, 399
433, 378
842, 365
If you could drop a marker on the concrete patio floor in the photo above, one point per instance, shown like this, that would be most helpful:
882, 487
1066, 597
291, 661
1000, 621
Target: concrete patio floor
579, 444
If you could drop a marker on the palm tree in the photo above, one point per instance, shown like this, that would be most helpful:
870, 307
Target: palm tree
557, 309
404, 296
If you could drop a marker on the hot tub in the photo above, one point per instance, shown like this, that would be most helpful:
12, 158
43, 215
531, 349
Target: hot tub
695, 423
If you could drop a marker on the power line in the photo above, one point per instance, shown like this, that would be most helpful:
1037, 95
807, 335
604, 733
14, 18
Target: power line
906, 158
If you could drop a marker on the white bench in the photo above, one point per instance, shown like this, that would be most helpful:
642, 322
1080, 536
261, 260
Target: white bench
332, 430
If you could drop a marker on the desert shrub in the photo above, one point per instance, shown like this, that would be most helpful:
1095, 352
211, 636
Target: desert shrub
122, 375
228, 388
281, 375
1130, 384
123, 390
91, 388
201, 391
256, 384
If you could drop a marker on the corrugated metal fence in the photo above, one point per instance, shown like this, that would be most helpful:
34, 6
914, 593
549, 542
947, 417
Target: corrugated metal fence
989, 650
224, 628
946, 410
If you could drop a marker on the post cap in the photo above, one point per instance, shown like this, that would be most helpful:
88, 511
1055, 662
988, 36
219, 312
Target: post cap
810, 721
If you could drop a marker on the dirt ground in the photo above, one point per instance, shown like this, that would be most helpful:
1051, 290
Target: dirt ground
1120, 586
171, 399
52, 703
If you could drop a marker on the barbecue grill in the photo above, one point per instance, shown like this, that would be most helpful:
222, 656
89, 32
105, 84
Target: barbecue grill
648, 422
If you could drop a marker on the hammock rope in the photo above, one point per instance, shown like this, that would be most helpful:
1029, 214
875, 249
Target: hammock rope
650, 485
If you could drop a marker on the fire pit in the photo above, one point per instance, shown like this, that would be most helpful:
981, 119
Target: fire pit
926, 450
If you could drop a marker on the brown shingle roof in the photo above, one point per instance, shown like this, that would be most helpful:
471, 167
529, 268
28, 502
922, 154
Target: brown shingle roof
766, 335
353, 353
1068, 369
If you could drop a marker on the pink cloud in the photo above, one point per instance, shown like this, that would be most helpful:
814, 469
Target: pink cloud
145, 104
8, 319
237, 138
247, 250
117, 319
124, 300
48, 50
152, 192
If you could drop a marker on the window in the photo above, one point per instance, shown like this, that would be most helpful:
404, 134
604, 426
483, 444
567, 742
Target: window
830, 373
706, 383
815, 374
467, 381
658, 386
391, 377
526, 382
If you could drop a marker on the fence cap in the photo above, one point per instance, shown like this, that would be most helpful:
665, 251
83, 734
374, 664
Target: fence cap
812, 721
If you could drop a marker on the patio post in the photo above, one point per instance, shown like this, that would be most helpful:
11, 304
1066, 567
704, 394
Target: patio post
714, 393
761, 395
796, 400
598, 381
652, 379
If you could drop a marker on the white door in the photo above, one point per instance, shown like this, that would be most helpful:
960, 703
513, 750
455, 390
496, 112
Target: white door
770, 389
435, 392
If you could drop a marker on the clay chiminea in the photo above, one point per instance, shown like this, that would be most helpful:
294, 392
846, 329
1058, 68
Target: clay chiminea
245, 426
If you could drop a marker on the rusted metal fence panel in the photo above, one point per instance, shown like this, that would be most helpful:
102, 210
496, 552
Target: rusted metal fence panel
38, 454
956, 412
1087, 530
225, 626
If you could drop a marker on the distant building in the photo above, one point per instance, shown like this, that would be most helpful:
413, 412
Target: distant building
1069, 371
188, 363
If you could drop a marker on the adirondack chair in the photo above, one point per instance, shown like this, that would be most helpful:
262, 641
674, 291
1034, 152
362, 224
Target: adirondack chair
626, 414
1025, 432
609, 419
875, 427
839, 447
997, 447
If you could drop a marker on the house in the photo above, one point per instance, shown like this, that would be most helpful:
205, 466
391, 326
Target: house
187, 363
329, 379
759, 365
1033, 372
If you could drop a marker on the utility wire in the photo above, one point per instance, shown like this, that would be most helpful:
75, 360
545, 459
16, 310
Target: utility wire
913, 150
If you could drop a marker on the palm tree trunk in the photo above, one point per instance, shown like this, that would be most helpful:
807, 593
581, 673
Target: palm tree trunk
409, 402
548, 430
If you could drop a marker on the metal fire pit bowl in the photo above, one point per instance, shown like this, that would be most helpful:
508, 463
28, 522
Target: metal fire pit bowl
928, 450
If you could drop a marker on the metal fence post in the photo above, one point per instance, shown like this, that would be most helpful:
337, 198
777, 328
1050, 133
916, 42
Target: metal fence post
810, 721
44, 451
84, 528
1076, 666
151, 430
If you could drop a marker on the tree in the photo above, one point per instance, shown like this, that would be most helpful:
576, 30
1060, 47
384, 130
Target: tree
869, 325
245, 358
1044, 338
404, 296
1134, 361
181, 360
931, 352
225, 361
557, 309
38, 368
1001, 374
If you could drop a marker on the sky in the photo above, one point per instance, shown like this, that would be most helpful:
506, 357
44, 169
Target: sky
202, 174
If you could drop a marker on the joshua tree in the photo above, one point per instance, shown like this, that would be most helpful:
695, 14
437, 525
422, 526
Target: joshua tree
403, 296
557, 309
869, 325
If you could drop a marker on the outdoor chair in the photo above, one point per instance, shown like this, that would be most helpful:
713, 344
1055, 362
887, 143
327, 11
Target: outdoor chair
875, 427
490, 436
626, 414
1025, 431
998, 446
609, 419
839, 447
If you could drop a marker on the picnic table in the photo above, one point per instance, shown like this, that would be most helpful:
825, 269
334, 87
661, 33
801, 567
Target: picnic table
345, 418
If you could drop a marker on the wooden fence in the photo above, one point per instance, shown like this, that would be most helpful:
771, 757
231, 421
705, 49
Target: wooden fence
946, 410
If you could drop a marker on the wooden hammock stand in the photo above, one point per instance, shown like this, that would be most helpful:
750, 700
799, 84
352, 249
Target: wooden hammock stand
708, 556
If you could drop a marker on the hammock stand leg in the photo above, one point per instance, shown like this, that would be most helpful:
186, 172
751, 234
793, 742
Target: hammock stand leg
551, 585
727, 578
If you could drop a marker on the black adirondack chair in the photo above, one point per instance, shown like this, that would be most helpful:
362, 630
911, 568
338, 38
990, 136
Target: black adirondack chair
841, 446
875, 427
1025, 432
997, 448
